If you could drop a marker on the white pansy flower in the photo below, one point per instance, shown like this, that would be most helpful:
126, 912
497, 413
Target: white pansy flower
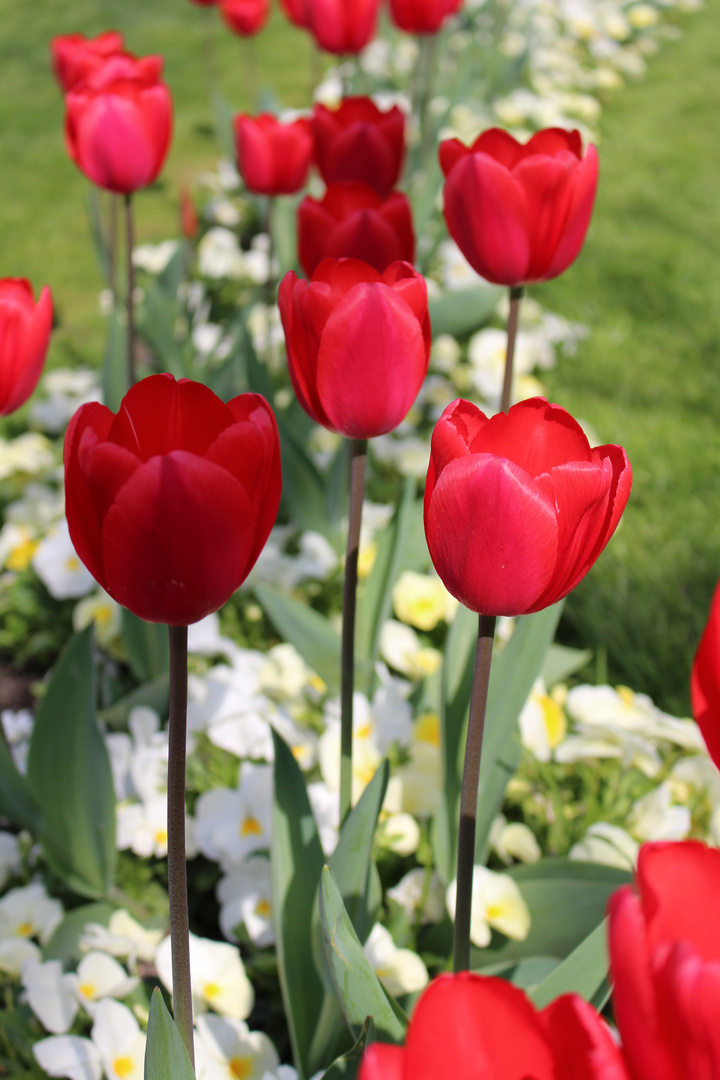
100, 976
30, 453
233, 824
205, 639
50, 994
401, 971
514, 840
415, 786
284, 673
218, 977
400, 833
219, 254
422, 600
119, 1041
142, 827
653, 817
227, 1050
542, 723
123, 937
58, 566
103, 612
70, 1056
18, 728
154, 257
244, 897
29, 912
456, 273
497, 904
402, 649
606, 844
15, 952
326, 811
366, 753
420, 887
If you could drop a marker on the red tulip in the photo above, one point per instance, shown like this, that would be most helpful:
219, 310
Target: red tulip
422, 16
295, 11
273, 158
341, 26
74, 56
519, 507
352, 221
357, 141
24, 338
118, 123
519, 213
664, 943
170, 502
204, 3
358, 344
475, 1027
245, 17
705, 681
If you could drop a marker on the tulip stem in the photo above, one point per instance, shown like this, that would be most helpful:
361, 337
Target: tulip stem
112, 248
177, 870
422, 92
358, 460
129, 244
516, 293
469, 793
271, 284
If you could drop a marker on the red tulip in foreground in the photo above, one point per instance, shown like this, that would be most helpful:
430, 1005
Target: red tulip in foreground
519, 507
705, 681
24, 338
665, 963
358, 141
422, 16
273, 158
170, 502
245, 17
341, 26
75, 57
352, 221
474, 1027
519, 213
358, 344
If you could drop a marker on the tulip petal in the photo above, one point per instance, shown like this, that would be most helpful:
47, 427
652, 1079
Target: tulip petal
552, 141
90, 424
579, 211
112, 146
455, 431
705, 681
547, 182
534, 434
582, 1041
689, 1005
381, 1061
297, 302
500, 145
106, 468
669, 874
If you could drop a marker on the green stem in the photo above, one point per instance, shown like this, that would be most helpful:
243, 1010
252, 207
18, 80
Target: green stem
469, 793
422, 92
515, 297
129, 244
271, 284
177, 871
358, 459
112, 248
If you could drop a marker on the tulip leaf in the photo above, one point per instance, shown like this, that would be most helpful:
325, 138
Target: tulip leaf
153, 695
165, 1055
303, 485
17, 803
70, 777
561, 662
583, 972
65, 942
114, 372
147, 646
346, 1066
97, 229
311, 633
360, 991
296, 863
459, 313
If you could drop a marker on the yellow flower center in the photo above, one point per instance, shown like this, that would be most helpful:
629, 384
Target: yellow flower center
20, 557
211, 990
160, 836
262, 908
251, 827
123, 1066
72, 563
87, 990
25, 929
555, 723
427, 729
241, 1067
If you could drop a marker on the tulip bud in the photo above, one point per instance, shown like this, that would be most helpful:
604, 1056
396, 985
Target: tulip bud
273, 158
75, 57
357, 141
24, 338
341, 26
245, 17
422, 16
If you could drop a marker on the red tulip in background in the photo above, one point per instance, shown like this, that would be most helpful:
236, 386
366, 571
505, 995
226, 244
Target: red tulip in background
475, 1027
341, 26
664, 943
245, 17
358, 141
24, 338
358, 344
352, 221
422, 16
118, 124
518, 507
705, 681
519, 213
295, 11
170, 502
74, 56
273, 158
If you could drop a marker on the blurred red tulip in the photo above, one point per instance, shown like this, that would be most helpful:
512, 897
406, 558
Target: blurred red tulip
170, 501
352, 221
358, 344
664, 940
422, 16
189, 224
518, 507
273, 158
341, 26
74, 56
118, 123
245, 17
358, 141
295, 11
204, 3
519, 213
24, 338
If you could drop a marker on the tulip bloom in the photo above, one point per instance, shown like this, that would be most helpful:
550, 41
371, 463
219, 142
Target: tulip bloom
341, 26
24, 338
352, 221
295, 11
422, 16
475, 1027
74, 56
358, 344
357, 141
518, 507
170, 501
664, 940
519, 213
705, 681
118, 124
245, 17
273, 158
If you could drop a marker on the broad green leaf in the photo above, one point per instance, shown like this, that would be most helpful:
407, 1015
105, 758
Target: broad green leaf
459, 313
114, 371
311, 633
65, 943
296, 863
361, 994
70, 777
154, 694
165, 1055
99, 217
561, 662
303, 484
147, 646
16, 799
583, 972
346, 1066
156, 322
284, 228
527, 974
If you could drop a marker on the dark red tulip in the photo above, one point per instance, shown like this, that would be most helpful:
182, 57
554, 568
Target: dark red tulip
352, 221
170, 501
358, 344
24, 338
204, 3
519, 213
74, 56
518, 507
358, 141
422, 16
705, 681
341, 26
273, 158
245, 17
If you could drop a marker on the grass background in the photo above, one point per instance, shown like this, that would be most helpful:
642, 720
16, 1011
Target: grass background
647, 283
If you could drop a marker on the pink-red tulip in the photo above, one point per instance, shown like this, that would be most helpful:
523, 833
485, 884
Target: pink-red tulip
352, 221
170, 501
664, 942
273, 158
705, 681
519, 213
118, 123
295, 11
422, 16
358, 141
245, 17
24, 338
475, 1027
341, 26
358, 344
518, 507
74, 56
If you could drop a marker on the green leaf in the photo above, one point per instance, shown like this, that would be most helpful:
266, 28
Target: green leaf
459, 313
65, 943
296, 862
346, 1066
527, 973
16, 799
360, 991
561, 662
165, 1055
157, 320
583, 972
351, 861
311, 633
70, 777
147, 646
114, 371
154, 694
